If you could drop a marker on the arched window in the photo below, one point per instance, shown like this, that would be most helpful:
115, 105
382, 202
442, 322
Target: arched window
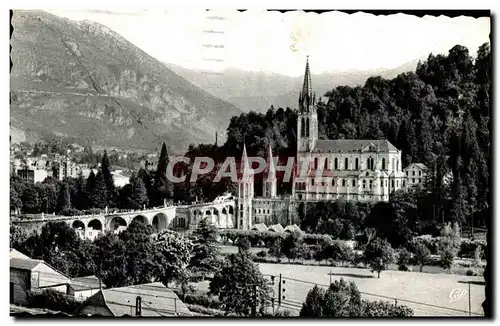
383, 164
356, 163
333, 182
369, 163
307, 127
303, 127
346, 164
394, 163
397, 165
364, 183
336, 164
326, 163
315, 163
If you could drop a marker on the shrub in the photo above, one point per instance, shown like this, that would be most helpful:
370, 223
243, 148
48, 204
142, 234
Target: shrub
203, 300
204, 310
52, 300
404, 257
468, 248
470, 272
261, 254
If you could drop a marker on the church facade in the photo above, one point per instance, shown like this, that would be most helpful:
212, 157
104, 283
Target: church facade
325, 170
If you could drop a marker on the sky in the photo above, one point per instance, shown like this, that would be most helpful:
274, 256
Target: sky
279, 42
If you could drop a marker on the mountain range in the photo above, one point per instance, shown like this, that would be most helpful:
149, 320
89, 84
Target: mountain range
257, 91
81, 80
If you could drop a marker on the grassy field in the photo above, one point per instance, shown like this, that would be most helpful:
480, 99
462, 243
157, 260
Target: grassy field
456, 269
426, 293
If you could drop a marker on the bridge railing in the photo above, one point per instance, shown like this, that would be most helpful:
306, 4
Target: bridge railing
53, 217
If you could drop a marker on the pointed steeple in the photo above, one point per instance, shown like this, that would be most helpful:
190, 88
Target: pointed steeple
270, 161
306, 95
244, 161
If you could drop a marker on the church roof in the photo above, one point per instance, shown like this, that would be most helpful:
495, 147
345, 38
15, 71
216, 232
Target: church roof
352, 145
421, 166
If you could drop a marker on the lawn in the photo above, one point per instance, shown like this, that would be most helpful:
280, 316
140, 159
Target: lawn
427, 294
448, 291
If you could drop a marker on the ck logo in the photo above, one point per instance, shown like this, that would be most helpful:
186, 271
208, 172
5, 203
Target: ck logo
457, 294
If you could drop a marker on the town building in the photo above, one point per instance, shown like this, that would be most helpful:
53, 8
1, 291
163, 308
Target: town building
28, 275
416, 174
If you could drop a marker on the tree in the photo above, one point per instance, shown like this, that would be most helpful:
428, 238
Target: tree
422, 253
15, 200
205, 249
31, 200
108, 181
314, 303
378, 254
240, 286
292, 245
404, 257
64, 199
343, 299
138, 196
275, 249
98, 196
174, 252
449, 245
384, 309
111, 261
243, 244
163, 187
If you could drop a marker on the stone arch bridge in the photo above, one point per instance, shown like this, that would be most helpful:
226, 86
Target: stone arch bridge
177, 217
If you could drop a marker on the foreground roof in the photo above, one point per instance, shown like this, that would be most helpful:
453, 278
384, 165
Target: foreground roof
24, 264
157, 301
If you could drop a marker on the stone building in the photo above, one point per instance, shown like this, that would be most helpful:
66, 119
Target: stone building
325, 170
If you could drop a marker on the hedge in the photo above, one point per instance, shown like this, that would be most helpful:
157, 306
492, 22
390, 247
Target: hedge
266, 238
467, 247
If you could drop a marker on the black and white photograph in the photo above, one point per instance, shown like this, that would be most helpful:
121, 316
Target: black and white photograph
271, 164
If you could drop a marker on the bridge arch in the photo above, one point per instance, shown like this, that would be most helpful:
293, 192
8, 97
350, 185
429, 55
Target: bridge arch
140, 218
116, 222
78, 225
95, 224
160, 222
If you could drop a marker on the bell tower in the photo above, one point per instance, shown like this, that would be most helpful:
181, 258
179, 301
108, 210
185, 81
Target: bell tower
245, 194
307, 119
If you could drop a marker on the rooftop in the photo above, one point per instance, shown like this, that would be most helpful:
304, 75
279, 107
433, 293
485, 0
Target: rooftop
157, 300
353, 145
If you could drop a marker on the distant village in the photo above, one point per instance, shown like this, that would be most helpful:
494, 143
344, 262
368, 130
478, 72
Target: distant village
34, 165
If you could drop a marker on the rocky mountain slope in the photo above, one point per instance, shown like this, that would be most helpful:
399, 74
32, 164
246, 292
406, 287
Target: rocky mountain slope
258, 90
84, 81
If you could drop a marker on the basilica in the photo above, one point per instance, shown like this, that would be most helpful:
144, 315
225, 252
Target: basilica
325, 170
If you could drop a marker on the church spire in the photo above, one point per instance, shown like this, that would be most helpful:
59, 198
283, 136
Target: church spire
270, 161
306, 94
244, 159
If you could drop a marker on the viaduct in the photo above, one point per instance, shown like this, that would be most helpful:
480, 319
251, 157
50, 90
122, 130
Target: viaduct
177, 217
